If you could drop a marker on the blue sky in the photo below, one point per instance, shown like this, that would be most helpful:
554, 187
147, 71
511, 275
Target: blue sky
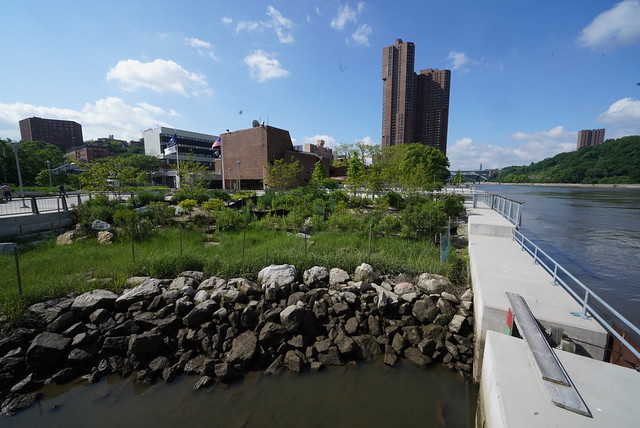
526, 75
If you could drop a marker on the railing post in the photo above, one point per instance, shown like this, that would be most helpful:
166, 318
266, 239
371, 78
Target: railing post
34, 205
583, 314
535, 256
79, 199
555, 274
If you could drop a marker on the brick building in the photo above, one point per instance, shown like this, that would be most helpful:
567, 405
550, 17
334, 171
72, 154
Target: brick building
415, 107
246, 152
88, 153
65, 134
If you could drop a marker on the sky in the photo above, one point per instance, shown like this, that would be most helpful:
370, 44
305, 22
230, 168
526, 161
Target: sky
526, 76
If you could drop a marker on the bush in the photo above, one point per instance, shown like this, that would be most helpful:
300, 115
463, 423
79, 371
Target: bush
144, 198
229, 218
452, 205
160, 212
422, 218
98, 208
188, 205
220, 194
196, 193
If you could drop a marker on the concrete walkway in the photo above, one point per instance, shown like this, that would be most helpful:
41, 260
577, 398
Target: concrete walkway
499, 265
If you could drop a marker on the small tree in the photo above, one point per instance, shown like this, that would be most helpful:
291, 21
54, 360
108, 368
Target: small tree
318, 175
458, 179
281, 175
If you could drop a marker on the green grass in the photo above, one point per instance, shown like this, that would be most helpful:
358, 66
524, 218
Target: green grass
49, 271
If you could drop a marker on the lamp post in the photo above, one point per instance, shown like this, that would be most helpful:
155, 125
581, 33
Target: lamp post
238, 175
15, 145
49, 169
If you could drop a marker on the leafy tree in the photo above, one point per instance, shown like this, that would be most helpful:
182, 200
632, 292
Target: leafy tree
281, 175
458, 179
33, 156
319, 174
112, 168
414, 166
356, 174
192, 174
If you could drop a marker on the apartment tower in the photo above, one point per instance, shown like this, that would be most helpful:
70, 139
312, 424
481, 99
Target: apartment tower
415, 107
65, 134
590, 137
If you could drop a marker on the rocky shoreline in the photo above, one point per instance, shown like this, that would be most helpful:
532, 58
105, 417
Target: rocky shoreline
219, 329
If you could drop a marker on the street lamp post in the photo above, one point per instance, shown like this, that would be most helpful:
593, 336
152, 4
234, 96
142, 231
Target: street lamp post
49, 169
15, 145
238, 175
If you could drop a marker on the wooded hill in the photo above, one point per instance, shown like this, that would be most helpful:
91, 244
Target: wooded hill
616, 161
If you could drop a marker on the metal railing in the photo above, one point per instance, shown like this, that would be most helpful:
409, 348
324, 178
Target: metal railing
580, 292
37, 205
508, 208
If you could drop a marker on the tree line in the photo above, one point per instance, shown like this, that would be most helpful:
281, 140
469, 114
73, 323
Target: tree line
615, 161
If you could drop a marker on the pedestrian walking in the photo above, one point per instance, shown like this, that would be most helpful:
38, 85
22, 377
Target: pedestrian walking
63, 193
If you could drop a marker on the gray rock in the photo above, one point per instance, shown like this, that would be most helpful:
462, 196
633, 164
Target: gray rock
449, 297
365, 272
292, 361
145, 291
432, 283
456, 323
195, 274
226, 372
291, 317
46, 312
425, 310
47, 349
390, 357
147, 343
93, 300
368, 346
338, 276
212, 283
278, 275
404, 288
331, 357
14, 403
272, 334
101, 225
183, 306
243, 349
398, 343
246, 287
184, 284
416, 357
203, 382
201, 313
315, 275
446, 308
201, 296
63, 322
227, 294
66, 238
158, 364
467, 296
276, 366
28, 384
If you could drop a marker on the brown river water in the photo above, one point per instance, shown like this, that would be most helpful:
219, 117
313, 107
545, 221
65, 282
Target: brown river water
369, 395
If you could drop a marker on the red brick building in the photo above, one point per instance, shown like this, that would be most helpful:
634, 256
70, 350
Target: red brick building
88, 153
246, 152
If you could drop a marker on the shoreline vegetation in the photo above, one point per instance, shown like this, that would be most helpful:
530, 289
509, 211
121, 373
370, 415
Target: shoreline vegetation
576, 185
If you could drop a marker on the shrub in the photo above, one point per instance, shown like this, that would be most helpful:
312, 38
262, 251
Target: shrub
188, 205
215, 204
160, 212
99, 208
144, 198
228, 218
196, 193
452, 205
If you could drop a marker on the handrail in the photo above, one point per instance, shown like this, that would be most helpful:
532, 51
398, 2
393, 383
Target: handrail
553, 268
510, 209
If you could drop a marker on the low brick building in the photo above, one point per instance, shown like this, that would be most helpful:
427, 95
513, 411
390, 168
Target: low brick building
246, 152
88, 153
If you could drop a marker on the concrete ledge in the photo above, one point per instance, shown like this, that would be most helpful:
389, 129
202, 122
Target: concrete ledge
513, 395
499, 265
486, 222
26, 225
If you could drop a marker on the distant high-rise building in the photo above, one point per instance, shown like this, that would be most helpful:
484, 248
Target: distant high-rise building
415, 107
65, 134
590, 137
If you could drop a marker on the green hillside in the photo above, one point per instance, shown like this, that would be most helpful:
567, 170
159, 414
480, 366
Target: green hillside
615, 161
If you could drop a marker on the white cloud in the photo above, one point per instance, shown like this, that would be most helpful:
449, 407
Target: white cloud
104, 117
158, 75
264, 66
460, 61
361, 35
346, 14
226, 20
617, 26
197, 43
624, 116
466, 154
282, 26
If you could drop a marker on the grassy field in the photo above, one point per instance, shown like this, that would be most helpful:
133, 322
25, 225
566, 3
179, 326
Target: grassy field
49, 271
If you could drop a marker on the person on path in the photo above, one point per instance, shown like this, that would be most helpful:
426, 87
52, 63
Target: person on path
6, 192
63, 193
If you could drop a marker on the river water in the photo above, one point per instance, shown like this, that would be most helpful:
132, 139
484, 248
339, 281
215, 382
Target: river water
594, 233
369, 395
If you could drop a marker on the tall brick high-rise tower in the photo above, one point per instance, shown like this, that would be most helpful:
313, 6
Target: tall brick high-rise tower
415, 107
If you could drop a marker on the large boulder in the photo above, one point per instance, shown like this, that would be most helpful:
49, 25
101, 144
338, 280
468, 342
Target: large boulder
291, 317
272, 335
101, 225
105, 237
432, 283
365, 272
243, 349
145, 291
201, 313
92, 300
338, 276
278, 275
147, 343
47, 349
425, 310
315, 276
66, 238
